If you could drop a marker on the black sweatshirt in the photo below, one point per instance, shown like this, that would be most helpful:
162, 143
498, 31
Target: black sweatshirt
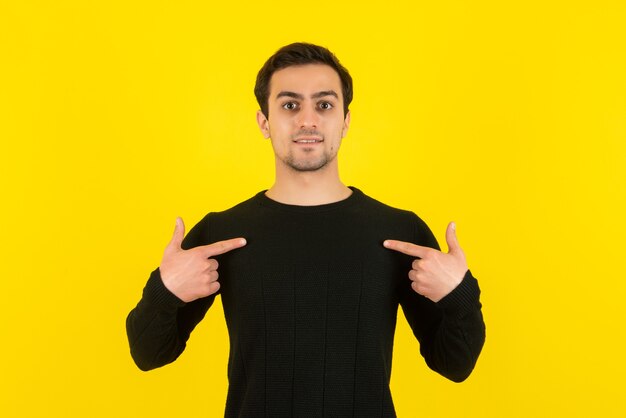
311, 304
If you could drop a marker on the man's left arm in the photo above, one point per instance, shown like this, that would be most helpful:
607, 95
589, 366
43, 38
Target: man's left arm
443, 306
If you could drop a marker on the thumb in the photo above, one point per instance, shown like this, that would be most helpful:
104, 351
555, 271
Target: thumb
451, 240
177, 237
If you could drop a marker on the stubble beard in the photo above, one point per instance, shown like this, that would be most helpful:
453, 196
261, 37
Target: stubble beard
307, 165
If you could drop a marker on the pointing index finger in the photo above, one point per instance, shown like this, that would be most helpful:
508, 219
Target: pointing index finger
406, 248
221, 247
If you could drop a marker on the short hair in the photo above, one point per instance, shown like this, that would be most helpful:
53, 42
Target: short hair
300, 53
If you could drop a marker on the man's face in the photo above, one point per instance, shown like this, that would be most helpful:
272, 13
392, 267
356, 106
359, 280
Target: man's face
306, 120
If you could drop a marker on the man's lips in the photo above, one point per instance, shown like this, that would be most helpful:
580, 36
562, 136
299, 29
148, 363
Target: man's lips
308, 140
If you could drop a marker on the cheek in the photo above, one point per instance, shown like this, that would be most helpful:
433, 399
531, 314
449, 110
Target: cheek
282, 124
280, 134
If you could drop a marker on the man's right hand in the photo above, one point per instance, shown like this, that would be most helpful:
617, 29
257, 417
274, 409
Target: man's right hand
192, 274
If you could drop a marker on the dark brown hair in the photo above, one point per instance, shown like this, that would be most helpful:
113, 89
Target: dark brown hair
300, 53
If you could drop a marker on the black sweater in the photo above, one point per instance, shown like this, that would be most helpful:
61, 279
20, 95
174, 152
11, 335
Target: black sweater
311, 304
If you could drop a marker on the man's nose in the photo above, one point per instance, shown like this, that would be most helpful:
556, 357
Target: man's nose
308, 117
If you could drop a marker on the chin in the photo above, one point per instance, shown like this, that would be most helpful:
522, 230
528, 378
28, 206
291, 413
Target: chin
307, 167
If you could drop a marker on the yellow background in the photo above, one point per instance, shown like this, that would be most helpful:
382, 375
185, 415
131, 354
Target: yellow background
507, 117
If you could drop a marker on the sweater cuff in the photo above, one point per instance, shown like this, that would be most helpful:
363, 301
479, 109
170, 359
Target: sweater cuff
156, 294
464, 298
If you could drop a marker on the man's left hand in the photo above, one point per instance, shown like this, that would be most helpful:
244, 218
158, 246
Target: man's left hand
434, 274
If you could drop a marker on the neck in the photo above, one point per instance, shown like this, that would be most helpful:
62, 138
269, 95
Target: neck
308, 188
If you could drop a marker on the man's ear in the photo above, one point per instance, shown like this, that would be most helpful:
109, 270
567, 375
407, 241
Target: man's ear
264, 124
346, 125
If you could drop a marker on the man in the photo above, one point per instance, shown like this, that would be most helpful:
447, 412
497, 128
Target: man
311, 272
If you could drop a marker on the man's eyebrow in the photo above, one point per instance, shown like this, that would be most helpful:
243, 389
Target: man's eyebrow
289, 94
299, 96
320, 94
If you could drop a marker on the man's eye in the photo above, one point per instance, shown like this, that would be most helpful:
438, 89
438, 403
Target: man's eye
290, 106
325, 106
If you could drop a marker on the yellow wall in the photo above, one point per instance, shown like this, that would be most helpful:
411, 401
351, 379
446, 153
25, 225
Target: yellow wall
507, 117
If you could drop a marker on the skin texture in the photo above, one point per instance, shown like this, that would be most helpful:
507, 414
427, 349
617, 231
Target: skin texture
305, 104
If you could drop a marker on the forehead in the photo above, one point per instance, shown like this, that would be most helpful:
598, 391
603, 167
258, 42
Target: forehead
305, 79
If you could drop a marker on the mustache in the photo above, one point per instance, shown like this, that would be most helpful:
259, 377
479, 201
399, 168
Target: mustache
307, 132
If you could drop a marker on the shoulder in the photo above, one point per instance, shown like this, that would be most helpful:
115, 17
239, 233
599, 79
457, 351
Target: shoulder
217, 225
405, 219
246, 206
376, 206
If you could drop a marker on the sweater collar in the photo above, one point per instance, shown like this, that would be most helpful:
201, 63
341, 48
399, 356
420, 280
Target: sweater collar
356, 196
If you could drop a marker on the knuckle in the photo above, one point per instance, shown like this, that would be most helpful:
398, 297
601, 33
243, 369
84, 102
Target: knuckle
211, 288
416, 286
206, 290
420, 288
212, 264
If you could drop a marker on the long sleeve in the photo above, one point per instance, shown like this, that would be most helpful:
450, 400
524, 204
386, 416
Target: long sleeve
311, 306
159, 326
451, 332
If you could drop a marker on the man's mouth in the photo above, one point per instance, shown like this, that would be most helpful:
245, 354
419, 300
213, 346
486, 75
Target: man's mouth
308, 140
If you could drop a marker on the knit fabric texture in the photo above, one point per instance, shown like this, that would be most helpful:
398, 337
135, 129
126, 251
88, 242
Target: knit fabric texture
311, 304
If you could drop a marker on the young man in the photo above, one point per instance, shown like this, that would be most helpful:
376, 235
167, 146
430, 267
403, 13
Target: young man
311, 272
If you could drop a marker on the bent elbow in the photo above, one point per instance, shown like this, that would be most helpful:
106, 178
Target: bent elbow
142, 364
459, 376
456, 368
150, 360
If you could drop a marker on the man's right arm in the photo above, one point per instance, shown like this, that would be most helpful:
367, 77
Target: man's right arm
159, 326
175, 299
